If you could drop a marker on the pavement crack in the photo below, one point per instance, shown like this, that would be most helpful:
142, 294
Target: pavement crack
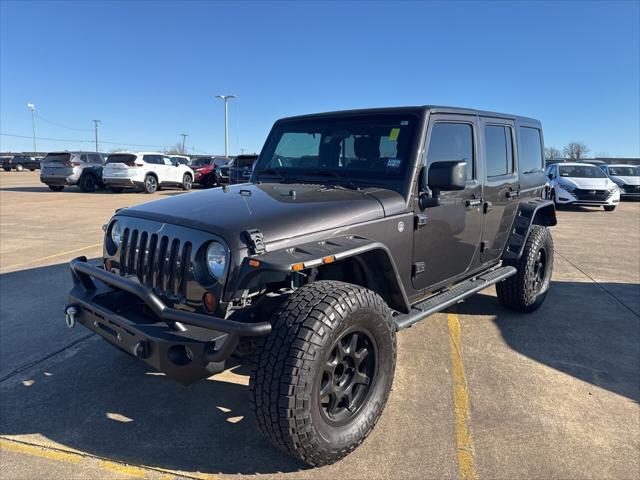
602, 287
35, 363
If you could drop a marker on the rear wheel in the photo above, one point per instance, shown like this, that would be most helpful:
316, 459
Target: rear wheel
609, 208
19, 167
56, 188
209, 181
324, 374
526, 290
6, 169
150, 184
187, 182
88, 183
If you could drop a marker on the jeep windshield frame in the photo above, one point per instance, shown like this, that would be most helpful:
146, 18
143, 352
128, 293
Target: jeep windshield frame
353, 149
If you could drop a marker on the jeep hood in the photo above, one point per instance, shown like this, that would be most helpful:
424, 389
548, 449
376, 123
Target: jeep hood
279, 211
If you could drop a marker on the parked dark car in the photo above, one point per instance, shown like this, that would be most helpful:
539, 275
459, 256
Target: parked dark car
238, 170
61, 169
207, 170
354, 225
20, 162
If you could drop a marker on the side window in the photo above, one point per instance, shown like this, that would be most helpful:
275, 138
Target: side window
151, 159
95, 159
83, 158
167, 161
530, 152
498, 150
452, 141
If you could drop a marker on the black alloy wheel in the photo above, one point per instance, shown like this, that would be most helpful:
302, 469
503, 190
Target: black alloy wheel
348, 375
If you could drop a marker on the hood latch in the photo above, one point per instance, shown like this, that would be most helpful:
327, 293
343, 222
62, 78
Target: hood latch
254, 241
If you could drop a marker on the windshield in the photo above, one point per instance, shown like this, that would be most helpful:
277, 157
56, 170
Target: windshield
357, 150
581, 171
624, 171
180, 160
200, 162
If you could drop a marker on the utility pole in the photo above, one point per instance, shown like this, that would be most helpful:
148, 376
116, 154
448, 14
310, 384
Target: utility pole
96, 122
184, 136
226, 98
32, 107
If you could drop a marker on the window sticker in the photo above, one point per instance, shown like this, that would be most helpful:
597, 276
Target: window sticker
393, 135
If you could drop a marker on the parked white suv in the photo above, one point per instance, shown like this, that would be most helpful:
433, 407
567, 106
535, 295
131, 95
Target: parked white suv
627, 177
581, 184
145, 171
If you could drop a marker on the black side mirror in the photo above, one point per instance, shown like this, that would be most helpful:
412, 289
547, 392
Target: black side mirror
441, 176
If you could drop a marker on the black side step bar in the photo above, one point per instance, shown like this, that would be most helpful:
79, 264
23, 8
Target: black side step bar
445, 299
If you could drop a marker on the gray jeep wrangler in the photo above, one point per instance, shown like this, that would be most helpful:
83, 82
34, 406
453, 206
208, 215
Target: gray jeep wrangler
354, 225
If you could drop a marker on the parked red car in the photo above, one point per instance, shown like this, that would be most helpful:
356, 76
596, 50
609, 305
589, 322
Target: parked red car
206, 170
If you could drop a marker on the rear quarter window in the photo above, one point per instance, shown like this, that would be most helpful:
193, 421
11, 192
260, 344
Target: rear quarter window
530, 154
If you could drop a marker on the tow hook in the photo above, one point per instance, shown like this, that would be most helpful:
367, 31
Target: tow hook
70, 316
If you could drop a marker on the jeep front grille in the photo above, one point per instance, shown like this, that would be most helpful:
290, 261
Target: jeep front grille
159, 262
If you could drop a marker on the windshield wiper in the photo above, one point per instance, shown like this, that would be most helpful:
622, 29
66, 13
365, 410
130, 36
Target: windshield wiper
331, 173
273, 171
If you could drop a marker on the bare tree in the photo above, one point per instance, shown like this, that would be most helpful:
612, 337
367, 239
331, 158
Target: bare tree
552, 153
576, 150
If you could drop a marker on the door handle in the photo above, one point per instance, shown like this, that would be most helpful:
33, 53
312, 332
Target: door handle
473, 202
513, 193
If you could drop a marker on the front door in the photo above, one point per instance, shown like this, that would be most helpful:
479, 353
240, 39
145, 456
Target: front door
501, 189
446, 243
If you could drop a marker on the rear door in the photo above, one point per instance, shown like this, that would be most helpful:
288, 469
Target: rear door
57, 165
445, 246
118, 164
501, 188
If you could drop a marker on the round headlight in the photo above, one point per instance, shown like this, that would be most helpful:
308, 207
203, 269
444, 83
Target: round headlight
116, 234
216, 259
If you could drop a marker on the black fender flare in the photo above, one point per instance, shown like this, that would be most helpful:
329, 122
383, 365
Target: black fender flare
374, 257
538, 211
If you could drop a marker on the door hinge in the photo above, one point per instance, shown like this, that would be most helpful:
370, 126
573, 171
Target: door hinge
420, 220
418, 268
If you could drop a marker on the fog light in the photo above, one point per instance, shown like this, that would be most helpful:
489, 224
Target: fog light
210, 302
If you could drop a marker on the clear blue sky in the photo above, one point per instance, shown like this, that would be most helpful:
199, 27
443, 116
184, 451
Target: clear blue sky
150, 70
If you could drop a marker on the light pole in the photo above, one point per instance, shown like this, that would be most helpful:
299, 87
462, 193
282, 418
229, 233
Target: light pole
96, 122
184, 136
226, 98
32, 107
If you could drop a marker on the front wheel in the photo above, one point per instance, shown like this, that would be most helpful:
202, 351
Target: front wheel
609, 208
323, 376
187, 182
150, 184
526, 290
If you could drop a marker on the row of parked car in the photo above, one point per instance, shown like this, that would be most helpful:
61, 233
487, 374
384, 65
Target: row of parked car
141, 171
20, 162
592, 185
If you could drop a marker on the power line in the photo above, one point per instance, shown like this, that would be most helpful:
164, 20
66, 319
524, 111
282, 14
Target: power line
40, 117
85, 141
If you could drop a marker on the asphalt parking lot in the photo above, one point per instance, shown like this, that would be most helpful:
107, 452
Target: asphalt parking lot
480, 392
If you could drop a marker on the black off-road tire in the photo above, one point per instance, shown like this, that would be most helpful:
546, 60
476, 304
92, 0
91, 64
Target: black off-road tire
150, 184
187, 182
609, 208
6, 169
116, 189
526, 290
309, 333
56, 188
88, 183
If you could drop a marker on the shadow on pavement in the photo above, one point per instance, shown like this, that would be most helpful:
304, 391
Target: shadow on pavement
579, 330
97, 399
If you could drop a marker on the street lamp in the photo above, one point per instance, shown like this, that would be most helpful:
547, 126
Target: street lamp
226, 98
32, 107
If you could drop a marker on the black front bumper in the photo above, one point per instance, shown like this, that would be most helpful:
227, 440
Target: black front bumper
183, 345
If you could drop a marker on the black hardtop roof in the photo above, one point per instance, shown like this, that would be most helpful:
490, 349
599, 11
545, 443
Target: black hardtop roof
413, 109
